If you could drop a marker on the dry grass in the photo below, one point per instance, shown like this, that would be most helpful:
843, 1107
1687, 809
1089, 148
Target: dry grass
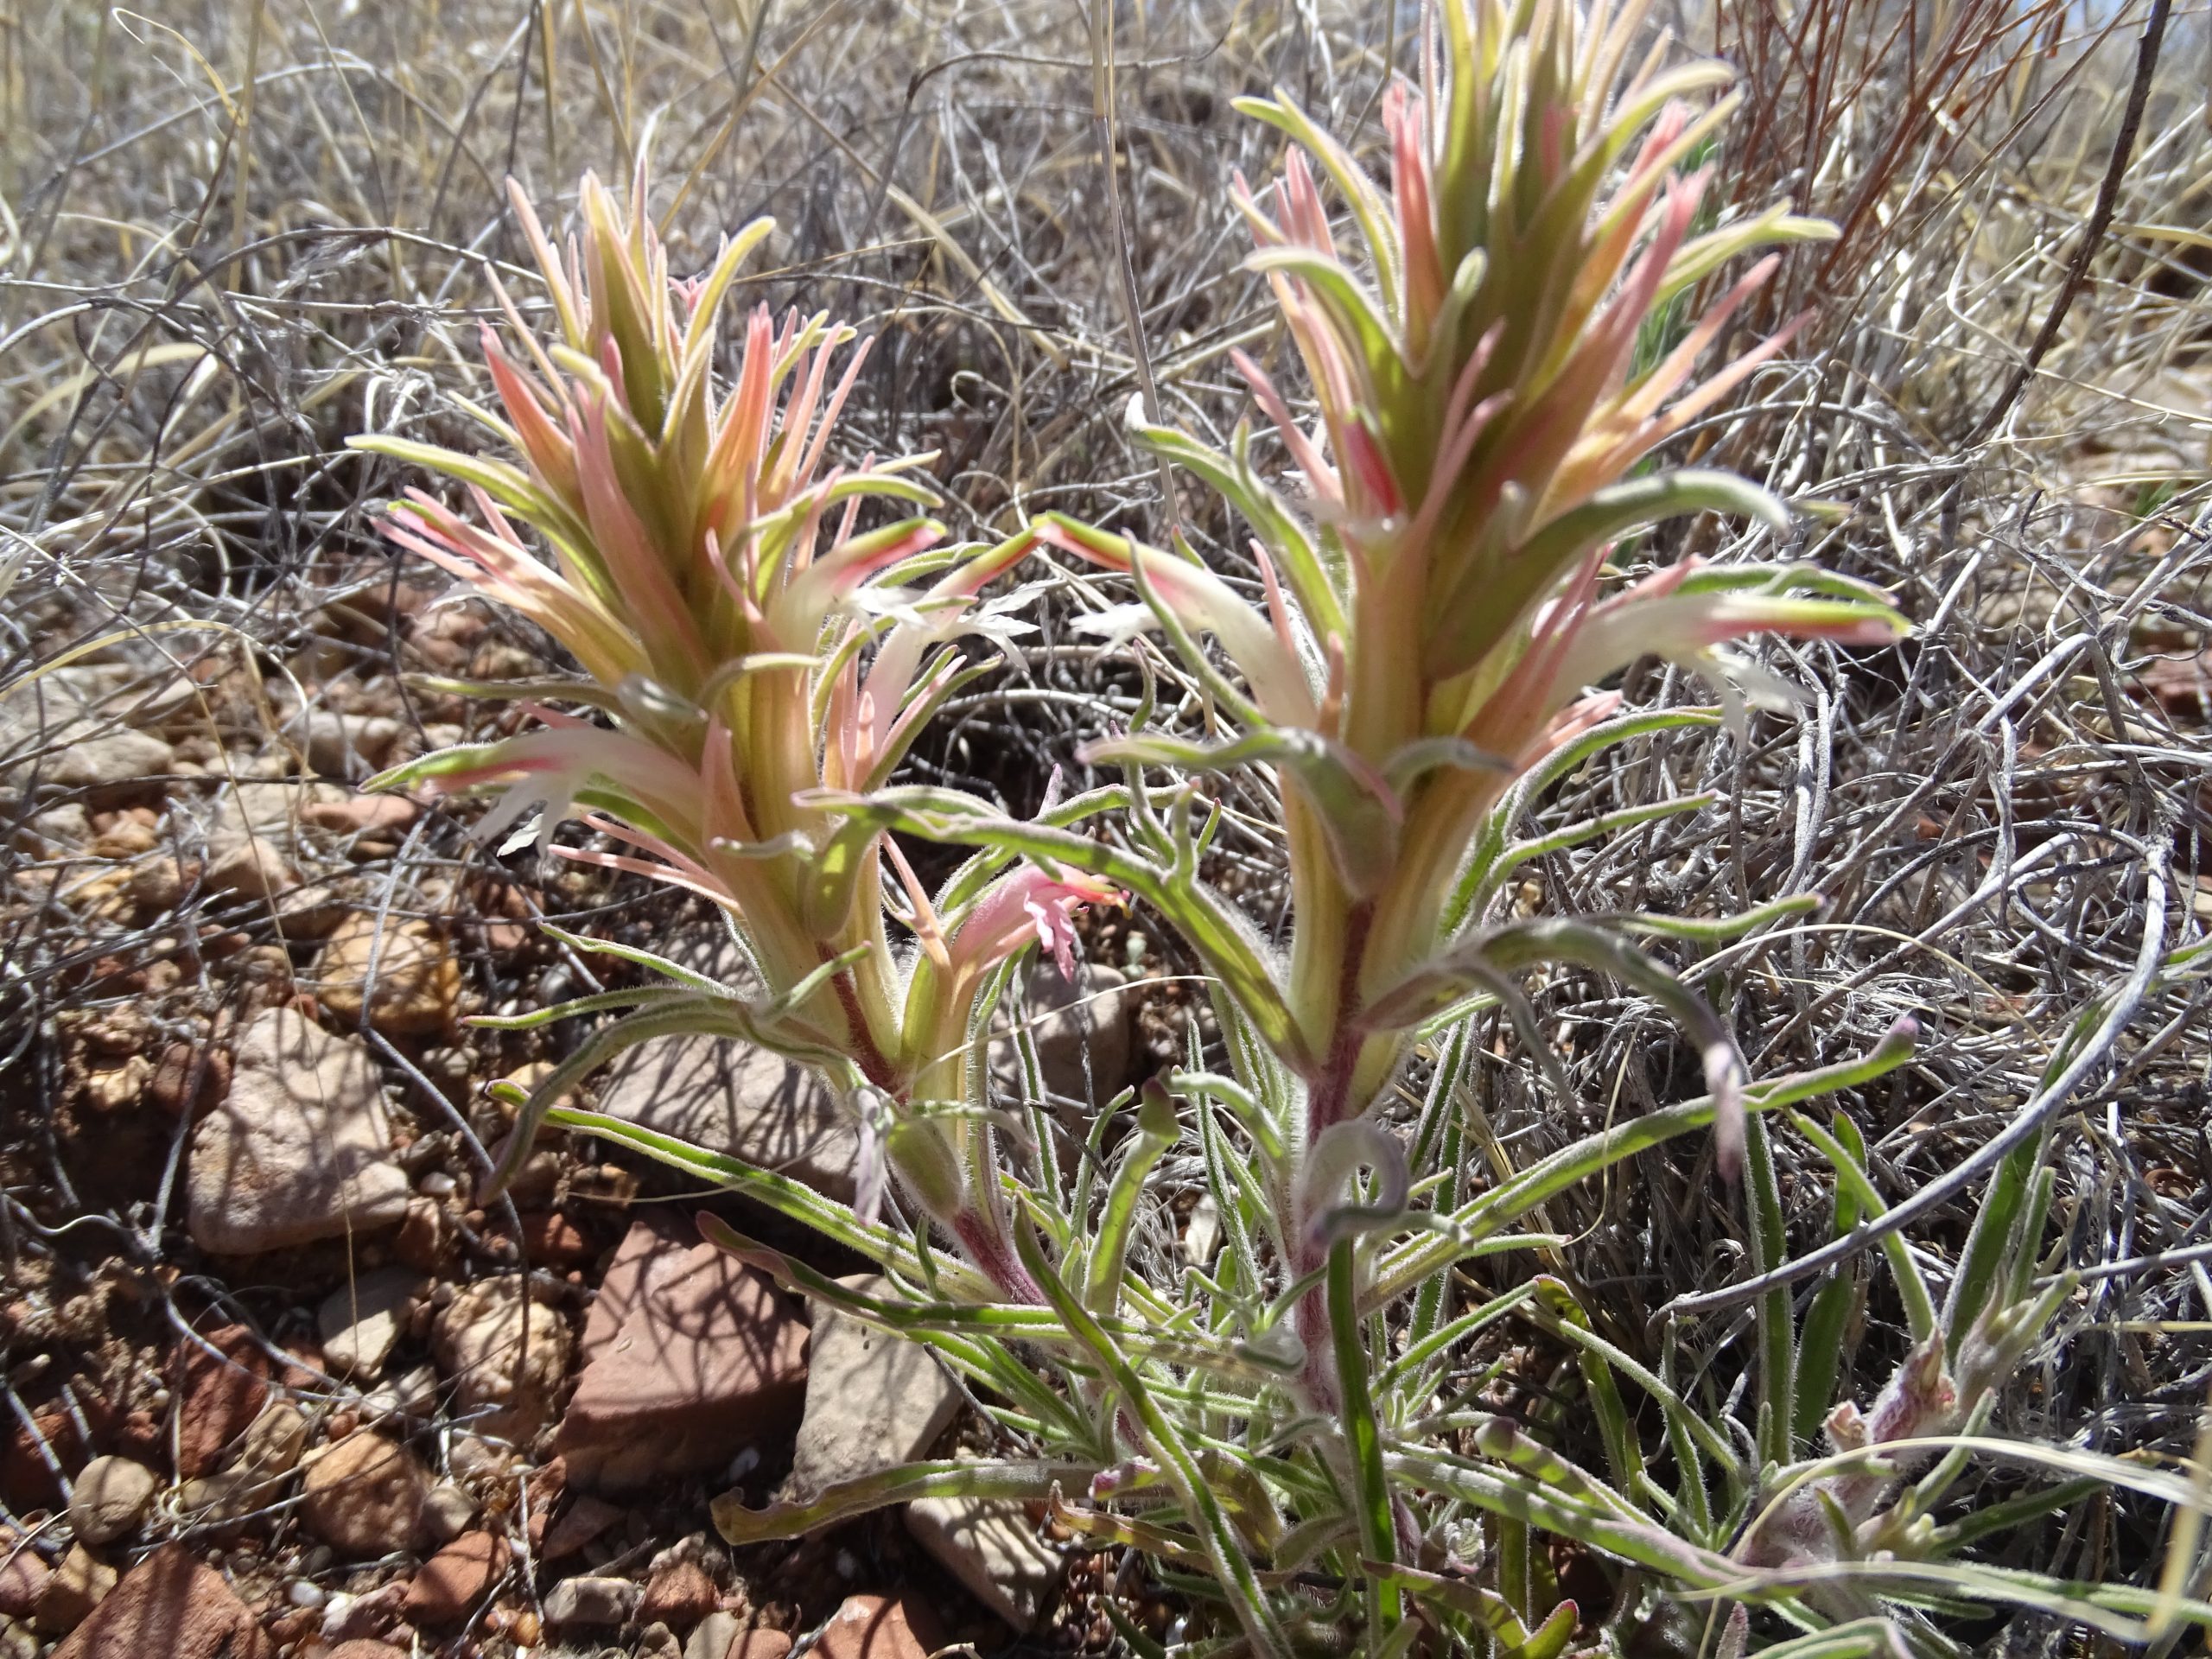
239, 232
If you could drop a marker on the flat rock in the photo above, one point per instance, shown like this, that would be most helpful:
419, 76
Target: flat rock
298, 1149
747, 1102
362, 1647
218, 1395
109, 1499
877, 1627
172, 1606
57, 830
599, 1602
401, 971
364, 1495
363, 1320
88, 725
993, 1549
454, 1581
112, 760
413, 1393
873, 1399
211, 1500
506, 1353
708, 1360
649, 1252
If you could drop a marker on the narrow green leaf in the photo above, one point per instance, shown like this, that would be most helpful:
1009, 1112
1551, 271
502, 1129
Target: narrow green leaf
1378, 1531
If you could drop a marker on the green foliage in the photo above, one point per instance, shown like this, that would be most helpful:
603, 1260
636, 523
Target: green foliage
1297, 1430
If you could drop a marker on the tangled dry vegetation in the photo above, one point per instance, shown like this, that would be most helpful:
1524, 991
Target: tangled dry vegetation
238, 234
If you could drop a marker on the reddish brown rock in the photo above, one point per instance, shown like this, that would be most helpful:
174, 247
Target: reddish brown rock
362, 1648
454, 1580
140, 1436
426, 1236
218, 1395
251, 867
876, 1627
26, 1479
172, 1606
22, 1577
550, 1239
759, 1645
172, 1087
542, 1489
709, 1360
364, 1496
371, 1617
679, 1597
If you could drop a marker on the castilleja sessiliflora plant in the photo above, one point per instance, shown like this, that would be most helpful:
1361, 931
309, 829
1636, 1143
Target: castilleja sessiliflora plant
1287, 1426
754, 655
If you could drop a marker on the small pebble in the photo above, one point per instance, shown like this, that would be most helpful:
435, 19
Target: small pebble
303, 1594
436, 1184
447, 1511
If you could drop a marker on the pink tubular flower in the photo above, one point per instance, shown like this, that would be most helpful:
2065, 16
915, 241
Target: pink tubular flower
1027, 904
